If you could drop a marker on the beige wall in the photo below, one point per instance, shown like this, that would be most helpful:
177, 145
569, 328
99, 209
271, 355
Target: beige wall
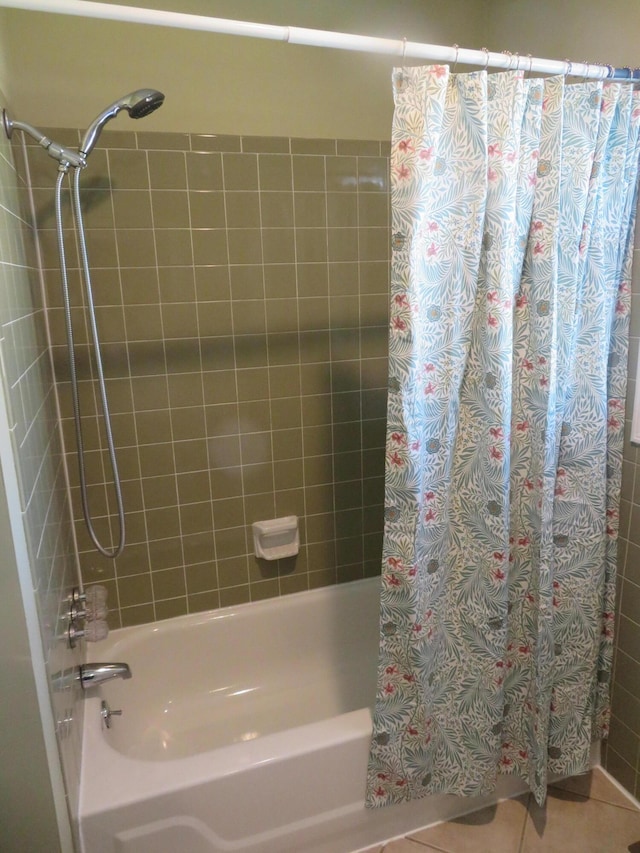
4, 74
577, 29
64, 70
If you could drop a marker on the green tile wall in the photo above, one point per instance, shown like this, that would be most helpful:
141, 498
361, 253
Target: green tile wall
242, 292
29, 392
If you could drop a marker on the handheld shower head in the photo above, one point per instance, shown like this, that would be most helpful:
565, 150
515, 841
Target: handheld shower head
138, 104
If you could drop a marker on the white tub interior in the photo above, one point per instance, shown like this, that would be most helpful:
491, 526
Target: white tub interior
234, 675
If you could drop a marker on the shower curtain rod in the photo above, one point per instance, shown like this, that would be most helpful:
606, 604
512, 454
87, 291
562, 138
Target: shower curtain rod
324, 38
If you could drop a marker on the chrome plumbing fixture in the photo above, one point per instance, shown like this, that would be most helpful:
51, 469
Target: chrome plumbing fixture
92, 632
64, 679
137, 104
91, 674
58, 152
106, 713
89, 607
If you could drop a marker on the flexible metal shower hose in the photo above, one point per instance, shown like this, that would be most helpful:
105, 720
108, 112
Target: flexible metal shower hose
111, 554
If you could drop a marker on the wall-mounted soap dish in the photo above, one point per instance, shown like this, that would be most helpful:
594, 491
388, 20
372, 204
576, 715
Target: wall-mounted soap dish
276, 538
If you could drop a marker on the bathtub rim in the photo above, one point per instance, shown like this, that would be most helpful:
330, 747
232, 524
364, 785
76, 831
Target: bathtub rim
203, 617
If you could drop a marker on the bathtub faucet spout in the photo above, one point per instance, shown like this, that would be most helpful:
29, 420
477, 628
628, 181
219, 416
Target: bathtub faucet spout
95, 673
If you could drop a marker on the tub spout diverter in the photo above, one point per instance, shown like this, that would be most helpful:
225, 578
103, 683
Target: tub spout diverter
91, 674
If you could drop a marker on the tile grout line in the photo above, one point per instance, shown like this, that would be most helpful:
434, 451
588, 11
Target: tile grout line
166, 384
130, 385
225, 199
299, 360
201, 374
248, 535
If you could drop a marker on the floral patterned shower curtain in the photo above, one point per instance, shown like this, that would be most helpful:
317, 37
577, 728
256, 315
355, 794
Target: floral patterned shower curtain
513, 206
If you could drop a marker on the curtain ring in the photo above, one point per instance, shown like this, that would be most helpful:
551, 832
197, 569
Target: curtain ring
529, 69
588, 71
486, 51
568, 69
455, 61
516, 57
611, 71
510, 55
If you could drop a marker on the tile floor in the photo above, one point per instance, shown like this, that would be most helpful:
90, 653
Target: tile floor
585, 814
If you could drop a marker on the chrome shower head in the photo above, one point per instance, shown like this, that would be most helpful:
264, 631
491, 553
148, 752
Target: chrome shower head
138, 104
145, 101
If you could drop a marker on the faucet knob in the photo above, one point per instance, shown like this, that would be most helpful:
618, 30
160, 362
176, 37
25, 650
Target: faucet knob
93, 631
106, 713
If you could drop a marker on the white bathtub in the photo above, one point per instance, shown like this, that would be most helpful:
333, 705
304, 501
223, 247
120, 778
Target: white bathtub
244, 729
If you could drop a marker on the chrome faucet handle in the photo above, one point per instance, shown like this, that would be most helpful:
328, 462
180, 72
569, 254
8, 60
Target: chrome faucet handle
77, 597
106, 713
93, 632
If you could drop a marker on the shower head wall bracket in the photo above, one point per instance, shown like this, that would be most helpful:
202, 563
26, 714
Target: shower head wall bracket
63, 155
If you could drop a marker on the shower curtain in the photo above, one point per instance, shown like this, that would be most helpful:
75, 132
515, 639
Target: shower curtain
513, 204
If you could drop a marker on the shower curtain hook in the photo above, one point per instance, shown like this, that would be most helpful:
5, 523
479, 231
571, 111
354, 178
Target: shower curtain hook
568, 69
530, 64
588, 71
516, 57
455, 61
404, 49
510, 55
486, 50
